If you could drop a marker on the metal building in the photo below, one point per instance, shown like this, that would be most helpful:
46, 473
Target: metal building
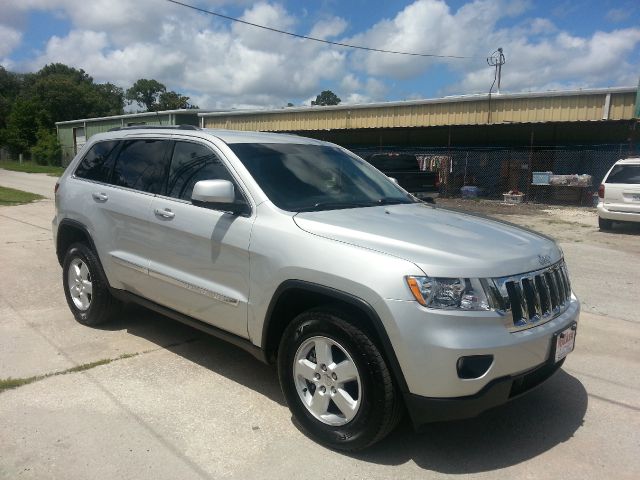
603, 115
493, 142
73, 134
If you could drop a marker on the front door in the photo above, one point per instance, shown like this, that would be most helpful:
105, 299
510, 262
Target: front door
199, 257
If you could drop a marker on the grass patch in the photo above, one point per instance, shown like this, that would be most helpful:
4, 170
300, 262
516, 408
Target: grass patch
9, 383
11, 196
30, 167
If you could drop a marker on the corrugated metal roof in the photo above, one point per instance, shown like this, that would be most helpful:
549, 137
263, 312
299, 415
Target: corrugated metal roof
134, 115
426, 101
568, 106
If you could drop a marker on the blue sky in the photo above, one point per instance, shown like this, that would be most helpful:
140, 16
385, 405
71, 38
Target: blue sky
548, 45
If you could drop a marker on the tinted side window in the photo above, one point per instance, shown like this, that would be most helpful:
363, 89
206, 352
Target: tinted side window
190, 164
625, 174
97, 163
142, 165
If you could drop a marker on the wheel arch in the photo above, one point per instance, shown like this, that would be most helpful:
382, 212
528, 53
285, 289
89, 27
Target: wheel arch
69, 232
293, 297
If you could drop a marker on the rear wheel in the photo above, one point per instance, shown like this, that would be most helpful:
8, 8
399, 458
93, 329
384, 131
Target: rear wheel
87, 294
605, 224
336, 381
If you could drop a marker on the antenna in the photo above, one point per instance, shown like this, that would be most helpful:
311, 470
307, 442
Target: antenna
496, 60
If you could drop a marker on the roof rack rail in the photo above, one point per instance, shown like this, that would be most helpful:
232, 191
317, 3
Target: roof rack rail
153, 127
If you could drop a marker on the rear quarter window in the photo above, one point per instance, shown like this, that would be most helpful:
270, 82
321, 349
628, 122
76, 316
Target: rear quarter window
98, 162
625, 174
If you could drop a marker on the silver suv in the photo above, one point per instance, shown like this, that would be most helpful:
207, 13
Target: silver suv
369, 301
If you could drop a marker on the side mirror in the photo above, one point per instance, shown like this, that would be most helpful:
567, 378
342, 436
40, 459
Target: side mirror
213, 191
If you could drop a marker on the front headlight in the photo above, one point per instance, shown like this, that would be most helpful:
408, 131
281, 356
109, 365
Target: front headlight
449, 293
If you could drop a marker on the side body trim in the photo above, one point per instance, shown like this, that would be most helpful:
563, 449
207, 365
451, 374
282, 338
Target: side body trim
129, 264
194, 288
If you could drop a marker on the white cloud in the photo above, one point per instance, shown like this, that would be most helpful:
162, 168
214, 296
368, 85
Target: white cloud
224, 65
328, 28
9, 39
538, 53
561, 61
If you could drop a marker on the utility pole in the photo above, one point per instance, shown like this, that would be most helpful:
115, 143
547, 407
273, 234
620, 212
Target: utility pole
496, 60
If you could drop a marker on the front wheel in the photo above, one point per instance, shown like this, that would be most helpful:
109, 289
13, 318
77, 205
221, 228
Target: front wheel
336, 381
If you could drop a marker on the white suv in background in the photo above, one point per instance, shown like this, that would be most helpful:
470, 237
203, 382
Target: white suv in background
620, 194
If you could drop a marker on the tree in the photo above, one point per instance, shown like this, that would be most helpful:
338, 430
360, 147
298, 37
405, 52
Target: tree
9, 90
174, 101
47, 150
111, 98
327, 97
22, 126
146, 93
57, 92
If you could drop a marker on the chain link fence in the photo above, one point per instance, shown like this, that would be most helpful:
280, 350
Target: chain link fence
563, 175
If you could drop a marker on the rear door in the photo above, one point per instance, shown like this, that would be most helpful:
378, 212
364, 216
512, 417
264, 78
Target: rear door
120, 210
622, 188
199, 257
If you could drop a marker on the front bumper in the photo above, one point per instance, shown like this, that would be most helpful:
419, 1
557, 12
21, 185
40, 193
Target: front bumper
429, 343
423, 410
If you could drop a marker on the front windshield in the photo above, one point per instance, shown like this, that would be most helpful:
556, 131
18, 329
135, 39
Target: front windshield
303, 177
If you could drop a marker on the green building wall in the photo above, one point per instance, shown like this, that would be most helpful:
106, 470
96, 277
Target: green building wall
95, 126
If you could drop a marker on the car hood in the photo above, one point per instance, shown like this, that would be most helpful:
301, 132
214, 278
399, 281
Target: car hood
442, 242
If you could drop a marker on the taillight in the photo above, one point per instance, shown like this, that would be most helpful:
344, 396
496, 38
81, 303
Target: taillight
601, 190
55, 189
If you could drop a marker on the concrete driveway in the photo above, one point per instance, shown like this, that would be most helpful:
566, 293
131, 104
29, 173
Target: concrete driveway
39, 183
170, 402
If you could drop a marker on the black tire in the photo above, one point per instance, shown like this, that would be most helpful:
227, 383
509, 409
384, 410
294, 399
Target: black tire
605, 224
103, 306
380, 407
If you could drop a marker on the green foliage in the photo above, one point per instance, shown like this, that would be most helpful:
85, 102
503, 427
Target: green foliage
47, 150
31, 103
22, 125
146, 93
34, 101
327, 97
154, 96
174, 101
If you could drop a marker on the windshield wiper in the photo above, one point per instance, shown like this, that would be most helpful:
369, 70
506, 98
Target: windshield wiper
333, 206
390, 201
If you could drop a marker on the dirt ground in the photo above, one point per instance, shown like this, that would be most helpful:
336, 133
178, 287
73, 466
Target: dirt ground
564, 223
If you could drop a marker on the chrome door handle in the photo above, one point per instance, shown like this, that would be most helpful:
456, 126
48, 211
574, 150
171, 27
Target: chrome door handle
100, 197
166, 213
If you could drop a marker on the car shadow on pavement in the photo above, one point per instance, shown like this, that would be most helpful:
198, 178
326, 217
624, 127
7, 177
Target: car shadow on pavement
200, 348
518, 431
505, 436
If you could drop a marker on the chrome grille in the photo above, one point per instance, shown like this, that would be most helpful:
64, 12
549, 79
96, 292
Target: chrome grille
534, 297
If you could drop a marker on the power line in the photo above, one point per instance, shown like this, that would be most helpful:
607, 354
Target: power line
329, 42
